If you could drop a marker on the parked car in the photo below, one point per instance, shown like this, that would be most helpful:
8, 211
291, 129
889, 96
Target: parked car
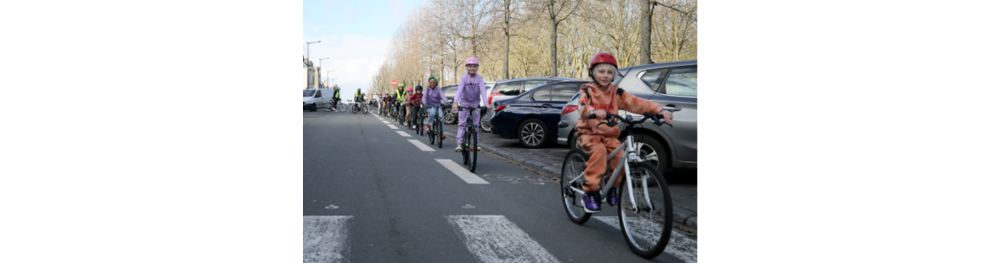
316, 98
509, 88
530, 116
672, 85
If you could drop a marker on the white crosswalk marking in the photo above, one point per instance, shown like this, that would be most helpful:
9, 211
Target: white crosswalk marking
325, 238
393, 127
404, 134
461, 172
493, 238
679, 245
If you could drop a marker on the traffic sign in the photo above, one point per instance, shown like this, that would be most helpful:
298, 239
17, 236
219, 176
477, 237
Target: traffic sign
393, 82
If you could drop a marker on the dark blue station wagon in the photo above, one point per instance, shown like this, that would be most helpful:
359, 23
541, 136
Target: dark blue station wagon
533, 116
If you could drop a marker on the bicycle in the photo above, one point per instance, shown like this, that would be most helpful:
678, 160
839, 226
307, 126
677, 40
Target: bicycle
401, 117
342, 107
420, 119
435, 131
469, 146
359, 106
414, 118
645, 205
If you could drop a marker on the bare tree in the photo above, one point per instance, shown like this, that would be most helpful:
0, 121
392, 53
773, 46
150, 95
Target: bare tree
558, 11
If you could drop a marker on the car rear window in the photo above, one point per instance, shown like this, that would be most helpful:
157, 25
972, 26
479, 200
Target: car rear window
532, 84
654, 78
564, 92
511, 88
682, 82
450, 91
542, 94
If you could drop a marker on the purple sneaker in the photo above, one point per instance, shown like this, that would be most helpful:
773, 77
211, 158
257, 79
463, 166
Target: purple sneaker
611, 197
591, 202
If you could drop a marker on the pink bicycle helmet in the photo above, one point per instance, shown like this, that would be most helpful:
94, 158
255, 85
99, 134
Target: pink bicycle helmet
471, 60
409, 89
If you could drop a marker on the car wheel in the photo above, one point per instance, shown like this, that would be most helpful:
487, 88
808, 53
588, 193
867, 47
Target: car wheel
651, 151
532, 133
449, 117
487, 122
573, 140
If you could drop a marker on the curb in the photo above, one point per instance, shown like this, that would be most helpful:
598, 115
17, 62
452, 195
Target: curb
680, 214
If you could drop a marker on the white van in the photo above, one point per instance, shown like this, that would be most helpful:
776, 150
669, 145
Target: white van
317, 98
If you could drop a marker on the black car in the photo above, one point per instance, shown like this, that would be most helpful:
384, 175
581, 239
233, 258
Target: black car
533, 115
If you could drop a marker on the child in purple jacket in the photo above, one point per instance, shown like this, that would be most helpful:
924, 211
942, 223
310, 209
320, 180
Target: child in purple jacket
471, 91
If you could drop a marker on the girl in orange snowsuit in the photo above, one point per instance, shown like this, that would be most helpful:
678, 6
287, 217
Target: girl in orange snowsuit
599, 97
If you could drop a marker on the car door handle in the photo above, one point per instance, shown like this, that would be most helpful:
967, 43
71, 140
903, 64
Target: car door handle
672, 108
545, 106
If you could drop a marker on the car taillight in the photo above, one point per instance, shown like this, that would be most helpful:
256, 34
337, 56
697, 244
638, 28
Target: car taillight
493, 94
501, 107
569, 109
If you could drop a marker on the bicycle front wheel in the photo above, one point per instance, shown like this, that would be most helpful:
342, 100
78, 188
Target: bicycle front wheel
364, 109
645, 215
572, 174
474, 151
438, 132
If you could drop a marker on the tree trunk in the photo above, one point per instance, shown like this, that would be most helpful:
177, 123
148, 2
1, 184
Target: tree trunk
645, 19
505, 62
553, 48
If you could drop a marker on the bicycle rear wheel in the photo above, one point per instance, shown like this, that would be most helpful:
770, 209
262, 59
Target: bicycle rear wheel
438, 132
364, 109
572, 173
646, 225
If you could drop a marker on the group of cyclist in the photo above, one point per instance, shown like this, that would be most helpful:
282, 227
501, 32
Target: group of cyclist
336, 98
597, 97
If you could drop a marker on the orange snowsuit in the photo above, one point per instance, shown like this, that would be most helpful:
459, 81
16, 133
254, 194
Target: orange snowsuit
599, 140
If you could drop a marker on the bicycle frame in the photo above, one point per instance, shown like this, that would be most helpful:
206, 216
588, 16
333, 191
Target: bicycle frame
629, 157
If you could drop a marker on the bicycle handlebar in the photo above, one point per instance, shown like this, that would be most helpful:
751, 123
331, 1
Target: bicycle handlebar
461, 108
629, 119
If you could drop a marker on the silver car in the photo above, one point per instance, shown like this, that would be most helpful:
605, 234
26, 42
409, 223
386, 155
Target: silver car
672, 85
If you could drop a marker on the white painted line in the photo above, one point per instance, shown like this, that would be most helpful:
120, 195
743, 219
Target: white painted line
385, 122
325, 238
393, 127
404, 134
461, 171
418, 144
679, 245
493, 238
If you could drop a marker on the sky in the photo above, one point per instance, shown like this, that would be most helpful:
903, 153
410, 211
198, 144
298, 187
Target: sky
356, 50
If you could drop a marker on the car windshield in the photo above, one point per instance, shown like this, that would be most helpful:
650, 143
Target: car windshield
308, 92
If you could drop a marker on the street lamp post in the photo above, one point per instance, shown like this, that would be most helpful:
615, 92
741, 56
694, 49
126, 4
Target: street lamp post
308, 48
328, 75
321, 61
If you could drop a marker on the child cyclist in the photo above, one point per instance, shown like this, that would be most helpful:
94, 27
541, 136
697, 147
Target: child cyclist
600, 97
471, 91
415, 101
409, 92
433, 96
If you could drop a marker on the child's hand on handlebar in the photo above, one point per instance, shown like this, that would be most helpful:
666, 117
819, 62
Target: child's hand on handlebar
600, 114
667, 117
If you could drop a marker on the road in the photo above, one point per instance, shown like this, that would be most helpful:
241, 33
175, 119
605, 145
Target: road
372, 194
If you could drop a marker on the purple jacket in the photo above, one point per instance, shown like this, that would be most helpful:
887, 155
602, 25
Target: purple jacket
471, 91
433, 96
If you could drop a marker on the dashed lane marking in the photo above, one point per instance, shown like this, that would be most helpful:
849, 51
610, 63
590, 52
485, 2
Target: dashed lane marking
404, 134
461, 171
